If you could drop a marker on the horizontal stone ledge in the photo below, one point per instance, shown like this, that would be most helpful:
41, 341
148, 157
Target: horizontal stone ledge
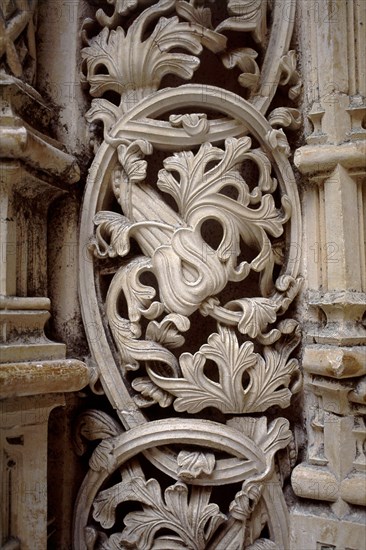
314, 483
334, 361
40, 152
324, 158
21, 352
42, 377
338, 298
353, 490
21, 303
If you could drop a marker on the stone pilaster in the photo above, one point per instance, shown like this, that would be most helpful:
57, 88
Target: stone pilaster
332, 477
35, 169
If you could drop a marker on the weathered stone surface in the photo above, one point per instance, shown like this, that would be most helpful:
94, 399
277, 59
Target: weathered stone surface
223, 326
35, 170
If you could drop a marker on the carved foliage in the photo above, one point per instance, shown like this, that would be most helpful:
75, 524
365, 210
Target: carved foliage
17, 45
192, 519
173, 172
189, 273
133, 66
269, 377
184, 516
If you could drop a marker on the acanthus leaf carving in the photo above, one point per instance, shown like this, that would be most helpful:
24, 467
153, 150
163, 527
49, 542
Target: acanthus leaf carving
285, 117
195, 124
150, 393
121, 8
101, 457
244, 58
192, 518
117, 228
103, 110
194, 14
269, 376
246, 500
167, 332
91, 425
257, 313
192, 464
276, 378
131, 157
191, 193
290, 77
118, 61
277, 139
195, 391
246, 15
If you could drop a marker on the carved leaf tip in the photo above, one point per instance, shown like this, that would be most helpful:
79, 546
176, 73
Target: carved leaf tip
193, 464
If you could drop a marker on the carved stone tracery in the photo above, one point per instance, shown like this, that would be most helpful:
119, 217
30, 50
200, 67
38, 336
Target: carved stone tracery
171, 163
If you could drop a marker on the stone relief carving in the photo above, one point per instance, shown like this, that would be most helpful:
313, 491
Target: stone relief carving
18, 47
188, 207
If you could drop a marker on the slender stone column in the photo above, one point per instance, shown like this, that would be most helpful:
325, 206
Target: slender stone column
332, 477
35, 169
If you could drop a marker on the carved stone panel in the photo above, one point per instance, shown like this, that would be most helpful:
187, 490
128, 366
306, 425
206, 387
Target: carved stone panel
186, 276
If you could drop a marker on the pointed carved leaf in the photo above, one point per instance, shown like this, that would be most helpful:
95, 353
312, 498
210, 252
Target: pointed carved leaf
117, 228
93, 424
91, 536
202, 16
170, 33
102, 457
103, 110
247, 15
196, 391
132, 65
271, 379
244, 58
192, 464
102, 52
131, 157
195, 182
150, 393
131, 489
121, 7
285, 117
167, 331
246, 500
257, 314
194, 521
194, 14
290, 76
277, 139
195, 124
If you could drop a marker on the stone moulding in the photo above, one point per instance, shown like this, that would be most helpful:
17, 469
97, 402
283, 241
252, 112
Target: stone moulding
331, 475
35, 169
22, 142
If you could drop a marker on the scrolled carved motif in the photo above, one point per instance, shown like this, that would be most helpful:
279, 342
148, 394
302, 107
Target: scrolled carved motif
189, 204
